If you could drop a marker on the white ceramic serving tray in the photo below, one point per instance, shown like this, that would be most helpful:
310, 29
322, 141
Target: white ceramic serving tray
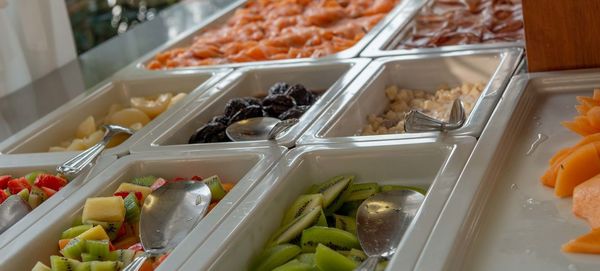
330, 76
419, 162
245, 167
348, 113
221, 17
19, 166
62, 123
385, 43
500, 216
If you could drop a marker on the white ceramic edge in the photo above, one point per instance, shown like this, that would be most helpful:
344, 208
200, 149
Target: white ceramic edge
97, 91
475, 123
269, 155
444, 182
176, 121
399, 25
351, 52
453, 228
7, 163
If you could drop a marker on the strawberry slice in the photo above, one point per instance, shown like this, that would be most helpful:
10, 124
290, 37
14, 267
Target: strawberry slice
158, 183
16, 185
48, 191
4, 181
138, 195
3, 196
50, 181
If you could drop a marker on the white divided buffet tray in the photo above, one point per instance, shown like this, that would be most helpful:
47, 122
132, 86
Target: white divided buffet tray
245, 167
500, 216
419, 162
366, 95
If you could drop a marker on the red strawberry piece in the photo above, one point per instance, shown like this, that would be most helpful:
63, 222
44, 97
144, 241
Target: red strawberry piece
48, 191
176, 179
3, 196
50, 181
139, 196
121, 194
197, 178
136, 247
158, 183
122, 231
111, 247
16, 185
4, 181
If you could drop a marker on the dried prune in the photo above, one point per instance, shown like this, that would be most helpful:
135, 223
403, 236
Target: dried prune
300, 94
294, 113
210, 132
252, 111
235, 105
274, 105
220, 118
252, 101
278, 88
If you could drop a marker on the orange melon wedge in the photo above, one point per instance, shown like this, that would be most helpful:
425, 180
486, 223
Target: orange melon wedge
578, 167
586, 201
560, 155
588, 101
582, 109
596, 95
588, 243
593, 115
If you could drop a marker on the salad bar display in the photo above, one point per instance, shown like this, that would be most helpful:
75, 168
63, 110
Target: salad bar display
421, 97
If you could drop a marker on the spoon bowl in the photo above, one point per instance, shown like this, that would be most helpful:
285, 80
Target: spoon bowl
261, 128
11, 211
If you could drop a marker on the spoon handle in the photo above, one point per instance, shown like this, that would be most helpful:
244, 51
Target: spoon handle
369, 264
280, 127
137, 263
74, 165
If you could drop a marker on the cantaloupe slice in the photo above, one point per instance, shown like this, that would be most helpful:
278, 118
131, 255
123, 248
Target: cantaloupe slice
582, 109
596, 95
586, 201
593, 116
588, 243
578, 167
549, 178
587, 101
566, 151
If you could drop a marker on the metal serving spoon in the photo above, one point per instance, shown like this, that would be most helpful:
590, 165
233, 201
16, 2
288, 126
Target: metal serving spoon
416, 121
12, 210
168, 215
382, 220
261, 128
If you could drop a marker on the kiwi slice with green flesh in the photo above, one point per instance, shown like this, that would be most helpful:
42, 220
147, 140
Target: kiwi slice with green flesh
132, 209
339, 201
125, 256
345, 223
421, 190
301, 206
308, 258
111, 228
58, 263
358, 256
74, 248
349, 208
75, 231
294, 229
31, 176
39, 266
294, 265
97, 248
331, 237
328, 259
332, 188
216, 188
34, 200
37, 191
275, 256
105, 266
144, 181
322, 220
362, 191
24, 194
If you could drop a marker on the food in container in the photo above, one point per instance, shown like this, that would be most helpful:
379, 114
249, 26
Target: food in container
136, 115
274, 29
461, 22
34, 188
106, 236
437, 105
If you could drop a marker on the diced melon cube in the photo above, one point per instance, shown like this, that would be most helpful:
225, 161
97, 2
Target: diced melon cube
106, 209
95, 233
129, 187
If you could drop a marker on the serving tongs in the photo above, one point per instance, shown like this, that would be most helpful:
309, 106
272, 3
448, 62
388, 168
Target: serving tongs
416, 121
14, 207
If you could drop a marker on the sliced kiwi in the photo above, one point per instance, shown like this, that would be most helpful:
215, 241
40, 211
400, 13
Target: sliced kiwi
421, 190
294, 265
63, 264
345, 223
276, 256
215, 185
294, 229
125, 256
332, 188
349, 208
362, 191
322, 220
31, 176
328, 259
74, 248
308, 258
38, 192
24, 194
105, 266
34, 200
111, 228
358, 256
144, 181
339, 200
75, 231
97, 248
39, 266
132, 209
83, 266
301, 206
331, 237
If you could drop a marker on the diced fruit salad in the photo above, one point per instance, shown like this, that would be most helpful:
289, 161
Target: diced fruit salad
106, 237
34, 188
318, 232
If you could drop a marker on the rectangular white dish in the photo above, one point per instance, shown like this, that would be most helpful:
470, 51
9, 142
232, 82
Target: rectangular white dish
500, 216
419, 162
332, 76
245, 167
348, 113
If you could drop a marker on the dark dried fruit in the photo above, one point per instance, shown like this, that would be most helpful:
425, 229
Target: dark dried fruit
221, 118
252, 111
300, 95
274, 105
211, 132
294, 113
234, 106
278, 88
252, 101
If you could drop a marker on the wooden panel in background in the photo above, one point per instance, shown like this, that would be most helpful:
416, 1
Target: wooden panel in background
562, 34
